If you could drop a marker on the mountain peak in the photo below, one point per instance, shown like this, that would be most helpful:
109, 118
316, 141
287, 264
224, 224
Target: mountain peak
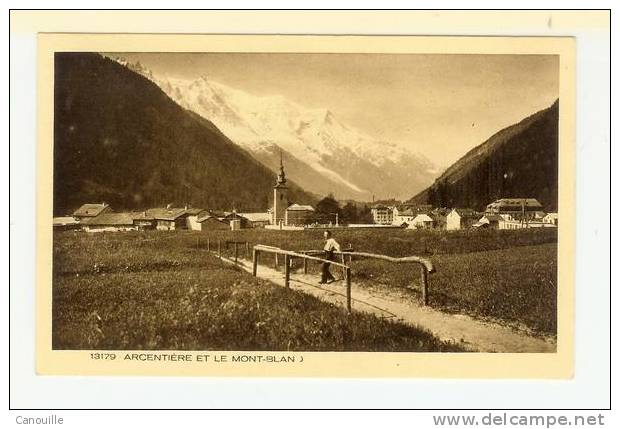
314, 136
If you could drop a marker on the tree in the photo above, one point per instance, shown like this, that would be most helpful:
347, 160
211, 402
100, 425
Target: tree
327, 208
349, 213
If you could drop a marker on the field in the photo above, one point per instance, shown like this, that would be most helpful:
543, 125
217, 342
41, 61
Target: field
164, 290
159, 291
507, 276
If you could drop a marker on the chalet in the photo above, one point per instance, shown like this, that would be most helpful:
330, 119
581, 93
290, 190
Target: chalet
257, 219
382, 215
493, 221
143, 221
88, 211
517, 207
404, 214
237, 221
509, 222
422, 221
192, 214
111, 222
460, 219
168, 219
403, 217
209, 222
298, 215
65, 223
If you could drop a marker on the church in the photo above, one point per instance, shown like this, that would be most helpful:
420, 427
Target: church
283, 213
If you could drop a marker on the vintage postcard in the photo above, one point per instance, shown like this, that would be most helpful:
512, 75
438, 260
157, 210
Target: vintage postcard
315, 206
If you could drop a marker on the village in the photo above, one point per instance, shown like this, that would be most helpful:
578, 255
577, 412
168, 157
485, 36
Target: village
504, 213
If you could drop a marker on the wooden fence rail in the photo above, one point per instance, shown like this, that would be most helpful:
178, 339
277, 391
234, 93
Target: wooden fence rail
426, 266
308, 255
288, 259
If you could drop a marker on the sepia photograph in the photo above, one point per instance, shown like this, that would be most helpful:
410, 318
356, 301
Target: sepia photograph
305, 202
310, 210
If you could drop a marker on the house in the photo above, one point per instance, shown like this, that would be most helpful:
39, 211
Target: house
382, 215
65, 223
111, 222
192, 214
493, 221
168, 219
517, 207
461, 219
257, 219
208, 222
88, 211
403, 216
298, 215
236, 220
422, 221
143, 221
551, 218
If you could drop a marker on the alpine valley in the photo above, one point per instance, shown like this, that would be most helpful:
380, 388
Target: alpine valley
321, 153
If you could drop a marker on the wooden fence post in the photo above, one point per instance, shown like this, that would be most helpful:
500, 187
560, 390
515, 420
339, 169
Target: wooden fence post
305, 266
348, 278
424, 285
344, 270
287, 270
219, 248
254, 262
236, 252
275, 261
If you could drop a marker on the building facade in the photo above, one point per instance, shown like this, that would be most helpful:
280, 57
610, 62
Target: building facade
299, 215
460, 219
88, 211
382, 215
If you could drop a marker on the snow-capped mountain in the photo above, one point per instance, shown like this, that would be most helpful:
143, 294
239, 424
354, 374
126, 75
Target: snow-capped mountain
320, 153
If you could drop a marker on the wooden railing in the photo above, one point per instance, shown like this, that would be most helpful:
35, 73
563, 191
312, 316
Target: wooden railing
347, 255
288, 259
308, 255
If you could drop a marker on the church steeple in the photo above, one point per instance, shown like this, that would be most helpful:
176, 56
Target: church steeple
281, 176
280, 200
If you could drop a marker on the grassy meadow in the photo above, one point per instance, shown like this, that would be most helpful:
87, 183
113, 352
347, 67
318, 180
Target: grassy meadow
158, 291
164, 290
509, 276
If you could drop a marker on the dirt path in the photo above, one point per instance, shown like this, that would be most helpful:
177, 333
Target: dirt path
471, 333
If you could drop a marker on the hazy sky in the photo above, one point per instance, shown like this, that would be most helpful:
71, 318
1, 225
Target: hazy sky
441, 105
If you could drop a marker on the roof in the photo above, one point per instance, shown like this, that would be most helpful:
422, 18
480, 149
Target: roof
206, 216
257, 217
527, 202
423, 218
465, 212
64, 220
164, 213
90, 210
406, 212
111, 219
298, 207
194, 211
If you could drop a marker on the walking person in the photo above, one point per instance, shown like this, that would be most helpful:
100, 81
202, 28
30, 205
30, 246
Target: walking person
330, 247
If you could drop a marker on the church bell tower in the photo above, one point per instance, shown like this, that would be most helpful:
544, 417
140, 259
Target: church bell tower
280, 197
